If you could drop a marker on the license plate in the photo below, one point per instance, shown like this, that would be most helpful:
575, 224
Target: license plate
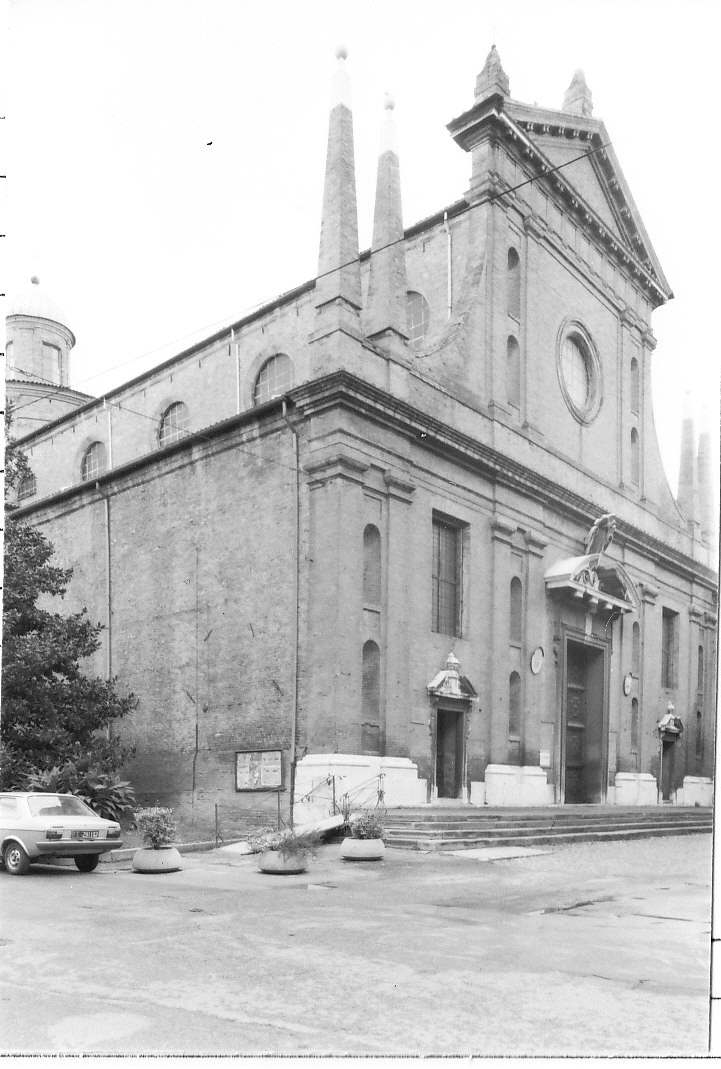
84, 834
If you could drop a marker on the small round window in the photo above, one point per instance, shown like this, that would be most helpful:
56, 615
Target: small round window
579, 373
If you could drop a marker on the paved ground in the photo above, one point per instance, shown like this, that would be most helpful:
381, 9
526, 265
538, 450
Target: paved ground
589, 948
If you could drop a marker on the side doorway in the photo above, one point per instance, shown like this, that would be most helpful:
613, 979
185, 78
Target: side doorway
450, 731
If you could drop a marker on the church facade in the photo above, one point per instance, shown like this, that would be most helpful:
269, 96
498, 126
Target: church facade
408, 523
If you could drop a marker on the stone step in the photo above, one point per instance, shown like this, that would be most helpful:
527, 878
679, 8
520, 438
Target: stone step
393, 831
556, 814
542, 838
492, 827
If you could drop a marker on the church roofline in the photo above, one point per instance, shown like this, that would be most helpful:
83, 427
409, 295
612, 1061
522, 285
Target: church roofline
454, 209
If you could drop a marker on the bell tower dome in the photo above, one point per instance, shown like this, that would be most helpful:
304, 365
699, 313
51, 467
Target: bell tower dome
37, 355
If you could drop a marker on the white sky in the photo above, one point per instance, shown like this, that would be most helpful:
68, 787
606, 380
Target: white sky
148, 237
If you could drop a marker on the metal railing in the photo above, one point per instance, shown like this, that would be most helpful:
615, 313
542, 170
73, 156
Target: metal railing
232, 823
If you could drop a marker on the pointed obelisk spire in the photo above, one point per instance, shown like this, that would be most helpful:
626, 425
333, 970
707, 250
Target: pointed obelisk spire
493, 78
386, 311
687, 484
705, 483
577, 99
338, 289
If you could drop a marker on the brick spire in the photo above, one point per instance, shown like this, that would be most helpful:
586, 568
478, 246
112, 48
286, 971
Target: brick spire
577, 99
493, 78
705, 484
338, 289
687, 475
386, 312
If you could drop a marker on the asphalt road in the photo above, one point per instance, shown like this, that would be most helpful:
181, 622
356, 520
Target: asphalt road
584, 949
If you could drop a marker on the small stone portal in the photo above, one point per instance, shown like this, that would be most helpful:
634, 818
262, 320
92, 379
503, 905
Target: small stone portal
449, 753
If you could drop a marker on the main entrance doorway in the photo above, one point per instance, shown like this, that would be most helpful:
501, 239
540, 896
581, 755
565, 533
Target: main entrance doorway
449, 753
584, 738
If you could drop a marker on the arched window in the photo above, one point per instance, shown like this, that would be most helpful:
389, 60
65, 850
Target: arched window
516, 620
274, 379
371, 565
635, 391
699, 671
513, 282
635, 462
514, 706
94, 462
634, 724
371, 698
513, 371
26, 487
636, 651
174, 423
418, 318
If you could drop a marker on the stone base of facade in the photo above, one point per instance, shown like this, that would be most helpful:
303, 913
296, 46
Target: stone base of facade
633, 788
359, 777
513, 785
696, 790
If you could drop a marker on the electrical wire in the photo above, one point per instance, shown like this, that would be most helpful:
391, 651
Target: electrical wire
349, 263
325, 274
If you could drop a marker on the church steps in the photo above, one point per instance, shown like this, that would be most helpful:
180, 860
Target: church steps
542, 838
435, 831
529, 829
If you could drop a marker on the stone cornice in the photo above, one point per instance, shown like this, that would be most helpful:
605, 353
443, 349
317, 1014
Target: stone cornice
347, 391
502, 529
398, 488
648, 593
535, 543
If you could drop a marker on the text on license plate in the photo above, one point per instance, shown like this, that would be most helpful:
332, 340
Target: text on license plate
84, 834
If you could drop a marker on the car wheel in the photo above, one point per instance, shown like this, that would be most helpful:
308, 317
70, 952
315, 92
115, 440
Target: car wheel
87, 862
16, 860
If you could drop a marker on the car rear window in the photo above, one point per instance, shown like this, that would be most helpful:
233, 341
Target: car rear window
60, 805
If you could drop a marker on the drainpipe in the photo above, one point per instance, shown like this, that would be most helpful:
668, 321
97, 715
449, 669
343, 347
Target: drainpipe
296, 607
449, 250
107, 408
234, 352
108, 598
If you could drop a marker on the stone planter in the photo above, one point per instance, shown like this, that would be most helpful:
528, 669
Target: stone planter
273, 861
161, 859
362, 849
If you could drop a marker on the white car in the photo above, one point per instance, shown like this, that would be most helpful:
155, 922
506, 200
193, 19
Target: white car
40, 827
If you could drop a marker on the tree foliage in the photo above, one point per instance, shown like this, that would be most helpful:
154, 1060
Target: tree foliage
55, 719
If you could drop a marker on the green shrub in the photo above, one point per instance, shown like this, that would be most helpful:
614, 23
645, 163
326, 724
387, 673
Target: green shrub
157, 826
290, 842
368, 825
108, 796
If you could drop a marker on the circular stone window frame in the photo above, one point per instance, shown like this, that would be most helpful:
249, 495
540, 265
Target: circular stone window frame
570, 328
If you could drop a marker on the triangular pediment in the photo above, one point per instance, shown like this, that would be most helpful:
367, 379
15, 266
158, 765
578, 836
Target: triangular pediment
584, 178
596, 182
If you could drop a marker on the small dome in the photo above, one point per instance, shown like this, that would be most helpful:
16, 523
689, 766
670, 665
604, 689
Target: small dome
34, 302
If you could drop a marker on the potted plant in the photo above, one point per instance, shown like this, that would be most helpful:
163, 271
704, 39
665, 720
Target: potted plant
365, 842
157, 826
286, 851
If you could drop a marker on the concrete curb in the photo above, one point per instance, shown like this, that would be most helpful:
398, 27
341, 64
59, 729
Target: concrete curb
126, 854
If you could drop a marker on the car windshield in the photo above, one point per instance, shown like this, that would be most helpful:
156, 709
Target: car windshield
58, 805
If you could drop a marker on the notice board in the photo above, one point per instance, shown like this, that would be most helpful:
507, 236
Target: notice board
258, 770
